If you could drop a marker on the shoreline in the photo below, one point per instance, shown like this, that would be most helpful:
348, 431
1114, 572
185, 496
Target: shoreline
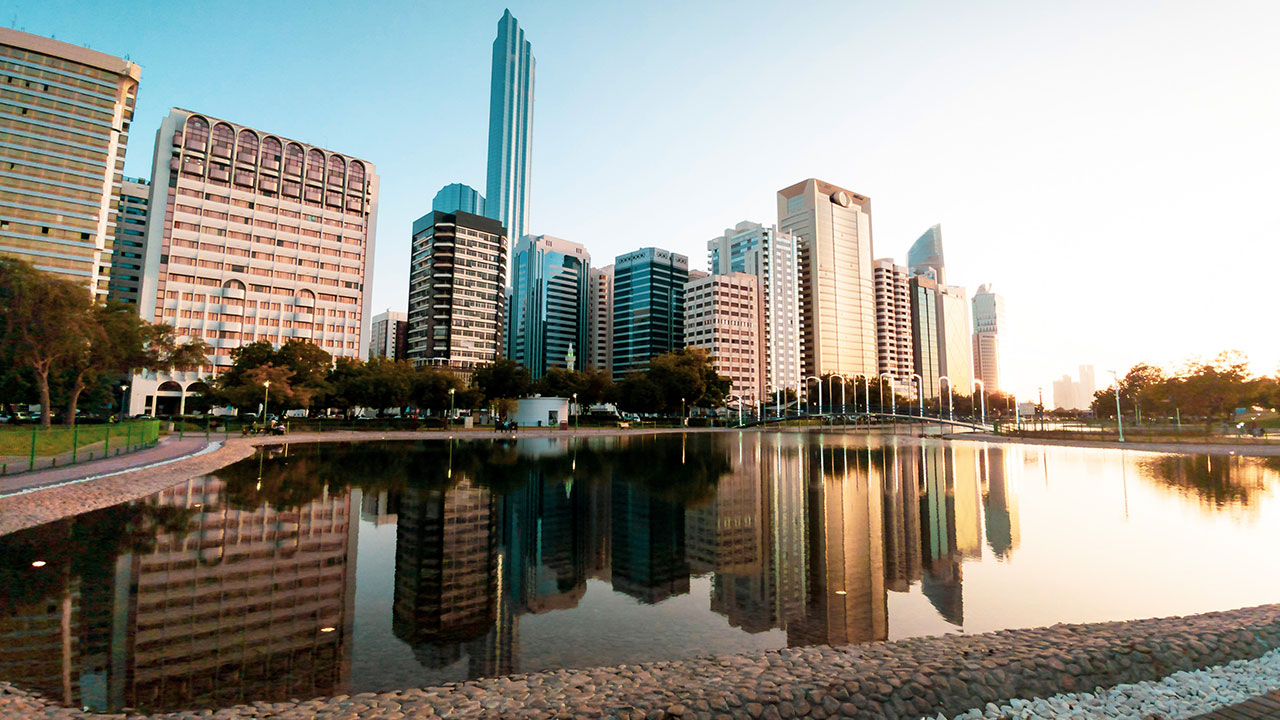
1189, 448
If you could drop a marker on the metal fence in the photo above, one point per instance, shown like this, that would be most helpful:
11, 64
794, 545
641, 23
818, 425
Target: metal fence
24, 448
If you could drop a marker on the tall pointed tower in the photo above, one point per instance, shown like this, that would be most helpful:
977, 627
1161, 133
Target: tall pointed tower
510, 130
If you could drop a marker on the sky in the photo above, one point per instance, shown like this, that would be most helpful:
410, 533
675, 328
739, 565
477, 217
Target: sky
1110, 168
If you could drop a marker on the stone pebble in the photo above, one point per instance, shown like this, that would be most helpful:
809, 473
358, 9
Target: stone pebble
1115, 669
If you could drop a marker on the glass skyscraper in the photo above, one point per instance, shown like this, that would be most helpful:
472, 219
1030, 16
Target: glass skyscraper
925, 256
548, 310
510, 128
648, 307
457, 197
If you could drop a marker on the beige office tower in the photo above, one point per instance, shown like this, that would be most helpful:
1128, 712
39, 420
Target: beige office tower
64, 122
600, 318
894, 351
955, 342
724, 315
772, 256
252, 237
837, 300
988, 322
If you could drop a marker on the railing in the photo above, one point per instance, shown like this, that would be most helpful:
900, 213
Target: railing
32, 447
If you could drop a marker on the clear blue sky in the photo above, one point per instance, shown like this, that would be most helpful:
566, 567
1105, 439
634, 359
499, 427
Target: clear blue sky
1110, 167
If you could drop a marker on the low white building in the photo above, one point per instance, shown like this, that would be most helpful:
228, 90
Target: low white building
541, 412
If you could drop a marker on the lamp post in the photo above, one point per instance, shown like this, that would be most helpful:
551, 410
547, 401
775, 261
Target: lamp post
123, 389
806, 387
681, 412
266, 392
951, 391
919, 393
577, 413
893, 395
1119, 422
449, 420
982, 397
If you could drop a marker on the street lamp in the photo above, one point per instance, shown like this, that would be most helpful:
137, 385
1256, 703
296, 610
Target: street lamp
951, 392
682, 412
123, 389
577, 414
982, 397
806, 387
449, 420
919, 393
266, 393
1119, 422
893, 395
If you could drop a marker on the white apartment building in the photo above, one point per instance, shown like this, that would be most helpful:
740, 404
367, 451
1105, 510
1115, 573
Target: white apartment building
723, 315
894, 350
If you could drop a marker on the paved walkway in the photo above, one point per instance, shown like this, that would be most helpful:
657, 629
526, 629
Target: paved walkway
168, 449
1263, 706
1197, 448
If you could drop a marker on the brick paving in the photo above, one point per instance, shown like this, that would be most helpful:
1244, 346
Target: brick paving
167, 449
1263, 706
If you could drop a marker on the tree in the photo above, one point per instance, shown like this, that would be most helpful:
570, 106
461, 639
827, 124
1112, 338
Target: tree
310, 364
504, 379
42, 319
431, 388
638, 393
588, 385
383, 383
342, 381
251, 389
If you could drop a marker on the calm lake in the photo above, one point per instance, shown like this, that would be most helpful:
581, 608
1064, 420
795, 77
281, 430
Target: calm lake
313, 570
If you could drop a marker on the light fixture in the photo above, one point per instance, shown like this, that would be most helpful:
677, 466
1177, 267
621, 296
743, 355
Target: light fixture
327, 629
841, 592
38, 563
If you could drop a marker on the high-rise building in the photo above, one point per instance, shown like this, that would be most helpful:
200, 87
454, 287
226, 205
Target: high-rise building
648, 307
955, 341
510, 129
893, 323
130, 239
773, 256
457, 197
837, 300
547, 320
988, 321
253, 237
1087, 384
389, 335
600, 318
457, 283
64, 116
925, 256
925, 345
724, 315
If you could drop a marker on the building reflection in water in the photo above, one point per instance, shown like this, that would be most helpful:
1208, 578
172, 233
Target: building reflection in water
241, 587
182, 600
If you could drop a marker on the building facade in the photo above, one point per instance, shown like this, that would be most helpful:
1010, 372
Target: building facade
955, 339
724, 315
837, 299
389, 335
894, 350
253, 237
600, 319
548, 318
925, 256
988, 321
773, 256
457, 290
510, 128
457, 197
65, 112
127, 250
648, 307
925, 348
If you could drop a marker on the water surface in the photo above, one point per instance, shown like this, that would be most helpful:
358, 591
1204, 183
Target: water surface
311, 570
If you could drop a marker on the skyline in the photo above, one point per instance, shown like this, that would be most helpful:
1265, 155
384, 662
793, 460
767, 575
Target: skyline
1101, 114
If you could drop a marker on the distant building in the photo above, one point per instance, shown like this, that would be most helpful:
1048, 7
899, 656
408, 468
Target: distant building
837, 298
988, 321
895, 354
955, 340
127, 251
925, 346
252, 237
724, 315
457, 281
773, 256
600, 319
458, 198
548, 315
648, 307
1072, 394
67, 111
925, 256
1088, 385
510, 130
389, 336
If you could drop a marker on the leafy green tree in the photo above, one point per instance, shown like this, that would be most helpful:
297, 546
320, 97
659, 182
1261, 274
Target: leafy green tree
252, 388
504, 379
42, 319
341, 381
384, 383
310, 364
431, 388
589, 385
638, 393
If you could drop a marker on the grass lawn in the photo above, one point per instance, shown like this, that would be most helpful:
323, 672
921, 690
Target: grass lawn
16, 440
